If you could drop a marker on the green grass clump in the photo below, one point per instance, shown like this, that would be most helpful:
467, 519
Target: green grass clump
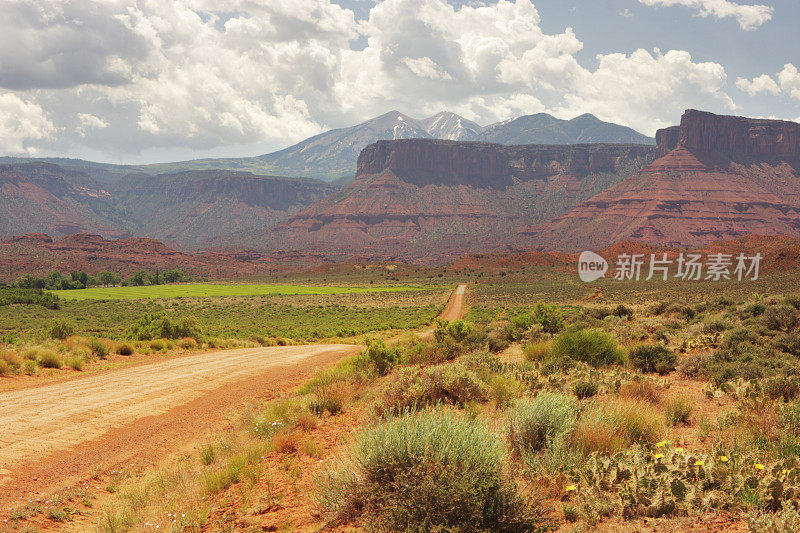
125, 348
542, 422
678, 410
427, 471
47, 358
592, 346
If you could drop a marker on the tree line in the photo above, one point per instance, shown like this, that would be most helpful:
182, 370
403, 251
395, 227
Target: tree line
56, 281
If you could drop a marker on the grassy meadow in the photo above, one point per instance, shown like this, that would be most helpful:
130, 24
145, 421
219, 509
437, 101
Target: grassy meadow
213, 290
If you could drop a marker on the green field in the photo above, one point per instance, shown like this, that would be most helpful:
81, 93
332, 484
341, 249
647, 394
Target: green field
202, 290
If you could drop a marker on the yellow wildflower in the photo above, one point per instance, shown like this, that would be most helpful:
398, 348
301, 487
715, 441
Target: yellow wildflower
571, 488
679, 449
662, 443
699, 462
723, 459
659, 455
759, 466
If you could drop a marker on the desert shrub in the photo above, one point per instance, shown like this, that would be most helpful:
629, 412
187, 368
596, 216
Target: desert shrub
783, 387
653, 358
160, 326
287, 442
330, 398
188, 343
598, 312
278, 415
47, 358
61, 330
452, 383
536, 351
97, 347
124, 348
779, 317
427, 471
549, 316
459, 330
30, 367
159, 345
541, 422
623, 311
584, 389
695, 366
591, 346
658, 308
715, 326
611, 424
381, 357
787, 343
5, 368
754, 309
641, 390
678, 410
554, 365
76, 363
503, 390
11, 361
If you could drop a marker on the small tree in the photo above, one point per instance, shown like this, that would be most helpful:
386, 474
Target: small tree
139, 279
173, 276
106, 278
155, 278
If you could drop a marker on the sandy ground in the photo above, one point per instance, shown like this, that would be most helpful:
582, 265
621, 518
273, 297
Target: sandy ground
53, 433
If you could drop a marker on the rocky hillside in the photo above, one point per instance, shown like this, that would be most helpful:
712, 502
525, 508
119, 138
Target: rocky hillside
719, 177
183, 208
430, 200
39, 254
190, 207
42, 197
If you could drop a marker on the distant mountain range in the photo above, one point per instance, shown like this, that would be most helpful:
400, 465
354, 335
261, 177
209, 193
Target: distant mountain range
332, 155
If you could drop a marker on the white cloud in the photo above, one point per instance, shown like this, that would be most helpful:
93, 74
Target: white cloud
199, 74
87, 121
788, 83
761, 84
626, 13
20, 123
748, 16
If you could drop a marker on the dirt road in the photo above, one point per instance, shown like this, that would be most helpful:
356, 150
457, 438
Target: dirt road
57, 434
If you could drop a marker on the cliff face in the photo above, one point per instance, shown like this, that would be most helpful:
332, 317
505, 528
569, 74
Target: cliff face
718, 177
739, 137
431, 200
190, 207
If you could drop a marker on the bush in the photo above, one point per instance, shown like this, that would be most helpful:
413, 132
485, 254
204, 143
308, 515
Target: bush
159, 326
653, 358
31, 296
611, 424
623, 311
542, 422
548, 316
779, 317
503, 390
658, 308
188, 343
536, 351
451, 383
49, 359
678, 410
124, 348
61, 330
591, 346
381, 357
696, 366
584, 389
641, 390
558, 364
97, 348
427, 471
330, 398
76, 363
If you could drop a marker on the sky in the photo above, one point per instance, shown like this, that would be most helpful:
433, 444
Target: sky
143, 81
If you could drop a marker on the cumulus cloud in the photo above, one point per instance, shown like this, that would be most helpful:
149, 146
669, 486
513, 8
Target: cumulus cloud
788, 83
748, 16
20, 123
130, 75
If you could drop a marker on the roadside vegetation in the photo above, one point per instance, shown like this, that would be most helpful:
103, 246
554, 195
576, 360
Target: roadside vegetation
518, 418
